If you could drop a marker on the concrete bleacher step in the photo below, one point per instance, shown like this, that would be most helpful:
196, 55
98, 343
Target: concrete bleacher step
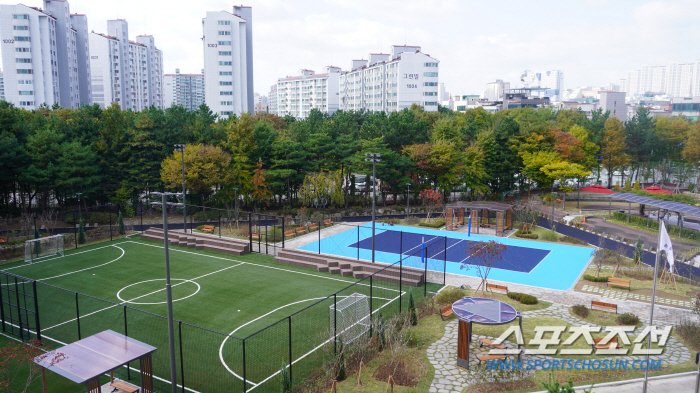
199, 242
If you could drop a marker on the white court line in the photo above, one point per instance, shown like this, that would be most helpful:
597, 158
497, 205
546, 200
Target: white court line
51, 259
139, 297
82, 270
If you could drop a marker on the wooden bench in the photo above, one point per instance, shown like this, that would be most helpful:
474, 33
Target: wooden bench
313, 226
486, 358
123, 386
3, 239
208, 228
255, 236
289, 233
445, 312
612, 344
327, 221
618, 282
486, 341
497, 288
604, 306
300, 230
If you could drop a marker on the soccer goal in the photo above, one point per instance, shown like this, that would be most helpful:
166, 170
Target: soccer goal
350, 318
44, 247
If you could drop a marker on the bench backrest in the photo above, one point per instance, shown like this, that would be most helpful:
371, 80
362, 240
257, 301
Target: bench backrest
446, 308
613, 279
603, 304
496, 286
612, 340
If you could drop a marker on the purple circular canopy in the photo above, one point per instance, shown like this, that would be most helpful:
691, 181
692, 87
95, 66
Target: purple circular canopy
483, 311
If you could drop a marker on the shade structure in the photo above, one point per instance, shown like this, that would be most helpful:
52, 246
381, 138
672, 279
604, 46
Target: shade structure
84, 361
677, 207
597, 189
657, 190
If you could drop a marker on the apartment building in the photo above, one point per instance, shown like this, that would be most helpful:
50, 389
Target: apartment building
298, 95
45, 55
2, 87
186, 90
129, 73
391, 82
272, 100
228, 61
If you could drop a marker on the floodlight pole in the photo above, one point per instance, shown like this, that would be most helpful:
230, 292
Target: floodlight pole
169, 294
374, 158
181, 149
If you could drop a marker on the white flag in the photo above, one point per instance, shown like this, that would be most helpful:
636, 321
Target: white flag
666, 245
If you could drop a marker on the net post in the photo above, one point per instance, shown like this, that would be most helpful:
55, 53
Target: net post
75, 231
371, 286
335, 323
444, 270
290, 347
182, 361
77, 313
36, 312
245, 383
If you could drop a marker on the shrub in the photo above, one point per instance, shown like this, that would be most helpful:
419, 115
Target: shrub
199, 228
525, 234
689, 330
572, 240
594, 278
100, 218
522, 297
412, 309
209, 215
449, 296
550, 236
627, 319
580, 310
434, 224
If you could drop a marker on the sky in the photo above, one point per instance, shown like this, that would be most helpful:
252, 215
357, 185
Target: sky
592, 41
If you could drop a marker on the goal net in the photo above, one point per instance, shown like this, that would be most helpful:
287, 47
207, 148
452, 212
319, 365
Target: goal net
43, 247
350, 318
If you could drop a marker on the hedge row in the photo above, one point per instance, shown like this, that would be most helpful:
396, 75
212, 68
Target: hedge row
522, 297
520, 233
96, 217
435, 224
594, 278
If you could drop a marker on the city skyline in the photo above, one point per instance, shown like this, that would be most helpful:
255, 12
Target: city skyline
594, 42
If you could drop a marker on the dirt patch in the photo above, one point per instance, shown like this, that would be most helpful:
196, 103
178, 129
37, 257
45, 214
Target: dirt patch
497, 387
402, 372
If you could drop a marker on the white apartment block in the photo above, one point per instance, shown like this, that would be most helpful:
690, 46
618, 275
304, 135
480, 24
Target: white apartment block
45, 55
228, 61
272, 100
2, 87
614, 102
129, 73
391, 82
298, 95
553, 82
186, 90
495, 90
674, 80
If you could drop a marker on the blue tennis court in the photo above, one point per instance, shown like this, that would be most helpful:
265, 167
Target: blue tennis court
547, 265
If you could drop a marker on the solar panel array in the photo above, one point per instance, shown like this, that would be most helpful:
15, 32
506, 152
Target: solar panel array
668, 205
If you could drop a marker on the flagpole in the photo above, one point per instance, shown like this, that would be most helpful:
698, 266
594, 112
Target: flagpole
653, 301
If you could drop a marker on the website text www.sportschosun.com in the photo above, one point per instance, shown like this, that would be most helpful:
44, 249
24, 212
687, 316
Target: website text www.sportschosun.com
573, 364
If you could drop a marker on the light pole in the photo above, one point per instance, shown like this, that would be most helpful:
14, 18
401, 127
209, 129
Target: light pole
79, 216
181, 149
408, 199
168, 293
374, 158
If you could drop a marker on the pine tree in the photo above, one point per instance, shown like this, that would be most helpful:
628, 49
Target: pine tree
638, 252
286, 379
81, 233
412, 309
121, 224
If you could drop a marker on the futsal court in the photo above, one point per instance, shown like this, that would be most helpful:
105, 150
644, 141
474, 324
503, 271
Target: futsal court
546, 265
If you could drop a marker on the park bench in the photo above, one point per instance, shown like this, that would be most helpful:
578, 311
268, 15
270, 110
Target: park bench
327, 221
208, 228
604, 306
446, 311
612, 344
618, 282
289, 233
123, 386
496, 288
3, 239
300, 230
486, 341
486, 358
313, 226
255, 236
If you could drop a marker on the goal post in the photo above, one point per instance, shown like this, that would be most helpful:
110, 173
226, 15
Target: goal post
350, 318
43, 247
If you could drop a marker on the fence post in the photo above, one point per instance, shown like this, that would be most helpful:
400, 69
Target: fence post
77, 312
267, 239
75, 231
245, 383
335, 323
182, 362
142, 208
283, 235
319, 237
358, 242
219, 211
126, 333
19, 313
36, 313
250, 235
400, 269
2, 309
425, 278
371, 296
444, 270
290, 348
110, 225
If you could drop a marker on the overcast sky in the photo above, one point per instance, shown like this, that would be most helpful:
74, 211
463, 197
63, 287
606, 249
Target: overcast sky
592, 41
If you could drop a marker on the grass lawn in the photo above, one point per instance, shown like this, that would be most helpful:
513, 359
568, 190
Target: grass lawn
644, 228
597, 317
451, 294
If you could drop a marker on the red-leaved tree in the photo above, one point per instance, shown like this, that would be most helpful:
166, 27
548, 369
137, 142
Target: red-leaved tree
431, 199
17, 358
481, 256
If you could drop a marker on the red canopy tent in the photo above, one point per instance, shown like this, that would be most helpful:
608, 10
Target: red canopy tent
657, 190
597, 189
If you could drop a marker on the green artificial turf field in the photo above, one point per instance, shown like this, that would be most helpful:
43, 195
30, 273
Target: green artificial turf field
247, 296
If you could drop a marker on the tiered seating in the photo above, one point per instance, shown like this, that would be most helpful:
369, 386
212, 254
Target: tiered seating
350, 267
199, 241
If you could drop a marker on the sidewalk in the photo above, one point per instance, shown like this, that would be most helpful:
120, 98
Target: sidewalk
684, 384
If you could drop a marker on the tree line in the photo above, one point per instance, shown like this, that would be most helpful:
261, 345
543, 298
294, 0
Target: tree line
48, 155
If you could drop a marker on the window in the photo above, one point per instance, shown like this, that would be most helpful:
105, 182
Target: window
226, 113
24, 82
430, 93
430, 74
24, 71
462, 108
430, 84
224, 23
225, 72
23, 49
224, 53
21, 27
225, 83
431, 64
26, 103
21, 60
430, 103
224, 42
224, 63
20, 16
226, 93
223, 32
227, 103
26, 93
25, 39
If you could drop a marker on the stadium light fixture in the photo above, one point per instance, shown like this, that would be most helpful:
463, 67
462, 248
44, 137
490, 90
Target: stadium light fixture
374, 158
181, 148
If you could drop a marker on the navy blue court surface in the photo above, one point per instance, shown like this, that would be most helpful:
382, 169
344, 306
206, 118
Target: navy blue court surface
546, 265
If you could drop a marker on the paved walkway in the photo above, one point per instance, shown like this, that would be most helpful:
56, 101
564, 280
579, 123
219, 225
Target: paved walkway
678, 385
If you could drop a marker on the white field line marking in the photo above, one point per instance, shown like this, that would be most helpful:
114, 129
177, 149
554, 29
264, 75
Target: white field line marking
64, 344
138, 297
267, 267
51, 259
221, 348
82, 270
313, 350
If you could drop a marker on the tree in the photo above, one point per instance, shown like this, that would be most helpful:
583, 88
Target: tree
613, 147
431, 200
18, 359
412, 309
285, 379
205, 167
120, 222
81, 233
482, 256
638, 252
260, 191
322, 187
563, 170
691, 150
